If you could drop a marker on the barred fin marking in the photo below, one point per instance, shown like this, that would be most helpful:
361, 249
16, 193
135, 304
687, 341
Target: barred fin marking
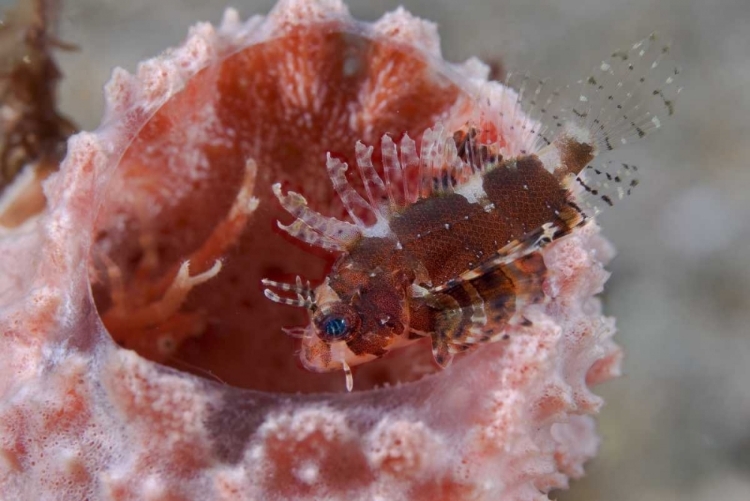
374, 186
478, 314
608, 105
623, 112
535, 186
349, 197
312, 227
437, 162
606, 184
393, 172
349, 379
430, 138
439, 168
409, 161
525, 275
304, 296
438, 165
460, 322
475, 153
304, 233
626, 97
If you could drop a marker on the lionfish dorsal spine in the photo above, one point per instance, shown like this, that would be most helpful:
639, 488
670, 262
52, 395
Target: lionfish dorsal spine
352, 201
392, 172
314, 228
409, 161
374, 186
429, 153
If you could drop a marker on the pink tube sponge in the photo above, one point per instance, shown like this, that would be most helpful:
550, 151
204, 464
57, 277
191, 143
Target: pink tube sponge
158, 229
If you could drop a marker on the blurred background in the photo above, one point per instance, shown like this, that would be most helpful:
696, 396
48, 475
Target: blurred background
677, 425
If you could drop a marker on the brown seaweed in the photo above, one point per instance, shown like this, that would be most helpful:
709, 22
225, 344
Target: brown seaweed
32, 131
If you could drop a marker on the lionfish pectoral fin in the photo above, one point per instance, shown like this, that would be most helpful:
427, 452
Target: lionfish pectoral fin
447, 328
531, 242
441, 350
444, 348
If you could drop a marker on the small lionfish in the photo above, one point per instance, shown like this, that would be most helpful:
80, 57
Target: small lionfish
453, 254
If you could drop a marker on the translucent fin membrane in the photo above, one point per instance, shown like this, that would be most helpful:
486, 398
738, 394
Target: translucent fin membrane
626, 97
629, 95
604, 185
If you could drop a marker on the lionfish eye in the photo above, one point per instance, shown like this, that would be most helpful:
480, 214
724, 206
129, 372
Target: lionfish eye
337, 323
335, 327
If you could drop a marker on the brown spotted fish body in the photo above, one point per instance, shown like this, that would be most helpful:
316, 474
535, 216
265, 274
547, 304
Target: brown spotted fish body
453, 253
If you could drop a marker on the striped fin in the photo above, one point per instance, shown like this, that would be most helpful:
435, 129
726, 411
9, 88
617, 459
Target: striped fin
408, 175
448, 324
375, 188
353, 201
312, 227
492, 301
395, 180
409, 162
628, 95
438, 165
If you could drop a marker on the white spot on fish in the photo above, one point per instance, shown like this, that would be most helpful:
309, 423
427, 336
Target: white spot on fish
472, 190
